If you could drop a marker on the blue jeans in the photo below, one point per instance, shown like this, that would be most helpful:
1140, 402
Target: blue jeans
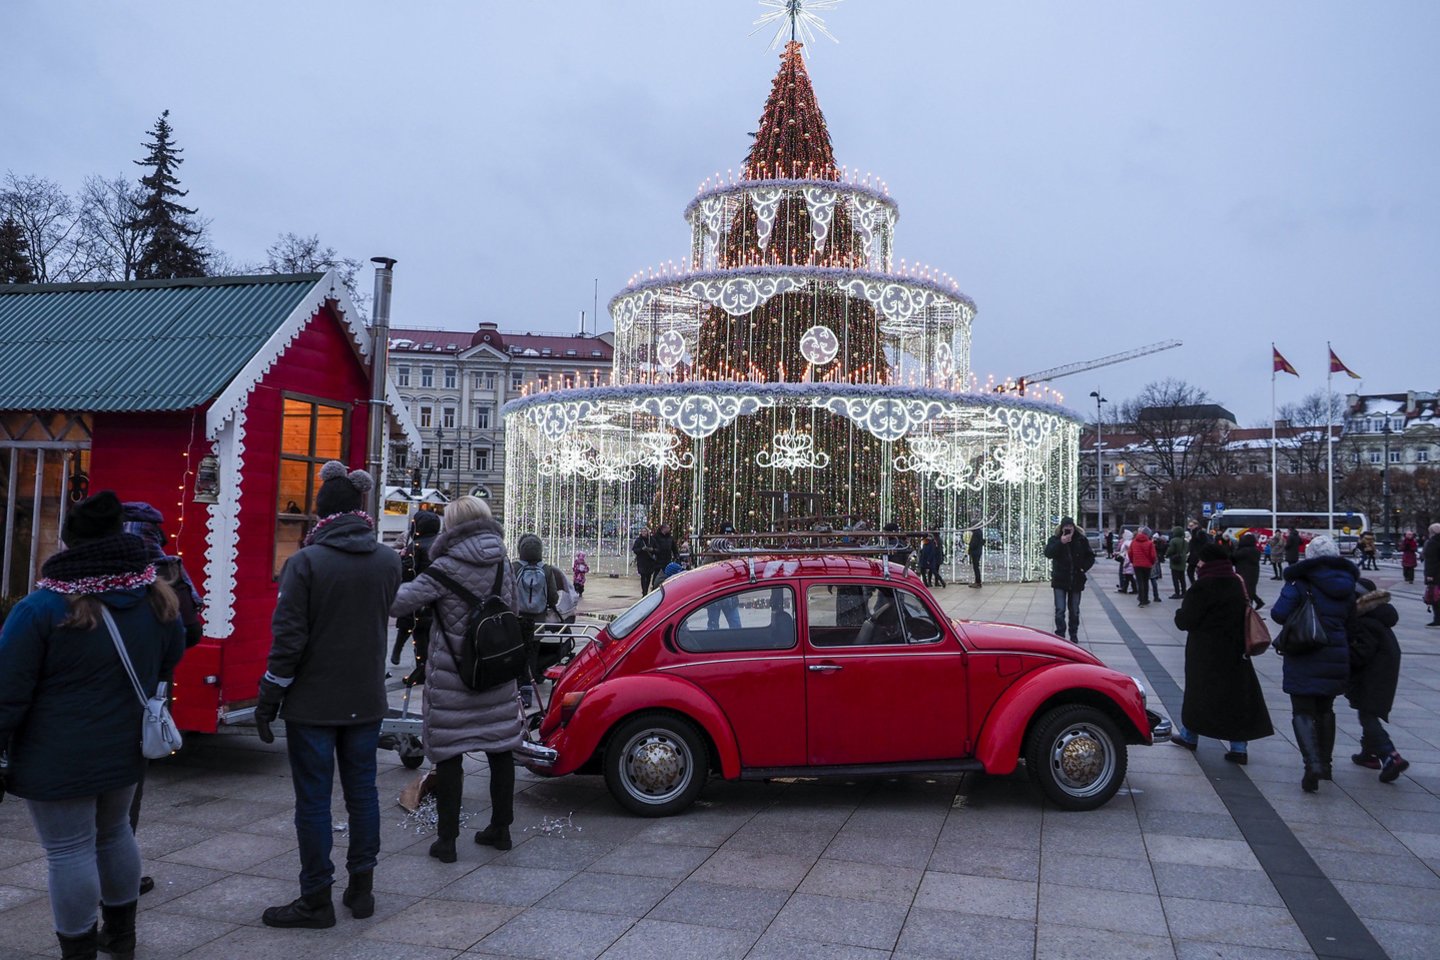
314, 752
1374, 737
1236, 746
92, 855
1067, 600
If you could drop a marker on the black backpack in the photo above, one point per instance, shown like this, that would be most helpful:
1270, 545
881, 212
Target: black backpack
492, 650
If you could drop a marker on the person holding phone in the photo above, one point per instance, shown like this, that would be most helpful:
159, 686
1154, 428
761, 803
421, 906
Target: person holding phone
1070, 556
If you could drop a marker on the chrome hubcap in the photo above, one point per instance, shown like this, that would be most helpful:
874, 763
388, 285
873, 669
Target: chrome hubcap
656, 766
1082, 760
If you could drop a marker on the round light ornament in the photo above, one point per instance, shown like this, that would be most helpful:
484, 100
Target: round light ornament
670, 349
819, 345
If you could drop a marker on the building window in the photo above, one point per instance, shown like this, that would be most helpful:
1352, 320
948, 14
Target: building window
427, 416
402, 457
569, 380
402, 375
489, 379
482, 417
517, 379
425, 459
544, 378
475, 380
447, 418
1374, 456
449, 378
427, 376
1422, 456
447, 459
481, 459
1395, 456
1108, 469
311, 432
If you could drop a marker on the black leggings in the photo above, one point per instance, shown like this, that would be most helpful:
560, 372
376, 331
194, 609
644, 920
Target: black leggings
1177, 579
1314, 706
450, 783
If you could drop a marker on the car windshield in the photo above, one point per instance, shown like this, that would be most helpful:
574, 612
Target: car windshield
631, 618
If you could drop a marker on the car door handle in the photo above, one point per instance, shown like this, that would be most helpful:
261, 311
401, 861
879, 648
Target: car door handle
824, 667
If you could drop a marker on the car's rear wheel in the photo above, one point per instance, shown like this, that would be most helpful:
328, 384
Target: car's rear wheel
1077, 757
656, 764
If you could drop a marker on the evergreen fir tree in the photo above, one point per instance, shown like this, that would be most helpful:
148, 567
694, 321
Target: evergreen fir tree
170, 250
15, 264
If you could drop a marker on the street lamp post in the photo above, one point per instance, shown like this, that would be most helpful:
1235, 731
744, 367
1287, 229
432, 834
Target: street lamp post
439, 446
1099, 465
1385, 489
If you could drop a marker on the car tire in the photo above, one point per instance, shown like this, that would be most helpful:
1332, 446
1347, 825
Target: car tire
1077, 757
656, 764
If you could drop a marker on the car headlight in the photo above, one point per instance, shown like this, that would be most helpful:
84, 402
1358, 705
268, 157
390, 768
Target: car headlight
1144, 700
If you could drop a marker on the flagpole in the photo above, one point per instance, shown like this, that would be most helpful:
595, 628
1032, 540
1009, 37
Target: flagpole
1330, 443
1274, 460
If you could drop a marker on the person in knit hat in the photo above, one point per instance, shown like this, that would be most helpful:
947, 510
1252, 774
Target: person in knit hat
326, 677
70, 717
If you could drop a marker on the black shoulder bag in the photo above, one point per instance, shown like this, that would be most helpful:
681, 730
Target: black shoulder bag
1302, 632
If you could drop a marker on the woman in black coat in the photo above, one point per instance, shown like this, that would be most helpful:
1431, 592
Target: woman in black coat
1374, 675
1246, 559
1222, 694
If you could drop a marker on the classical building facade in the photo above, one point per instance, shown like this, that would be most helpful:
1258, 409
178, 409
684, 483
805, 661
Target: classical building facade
454, 383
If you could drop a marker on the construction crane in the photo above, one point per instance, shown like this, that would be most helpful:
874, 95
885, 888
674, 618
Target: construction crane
1055, 373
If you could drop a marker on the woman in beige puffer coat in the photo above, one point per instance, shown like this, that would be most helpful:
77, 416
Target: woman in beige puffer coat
457, 720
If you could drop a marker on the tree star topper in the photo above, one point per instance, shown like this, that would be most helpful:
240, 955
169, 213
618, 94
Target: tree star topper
799, 16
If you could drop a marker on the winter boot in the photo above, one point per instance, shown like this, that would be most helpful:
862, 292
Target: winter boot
313, 911
77, 948
117, 933
494, 836
1394, 766
1326, 738
1307, 739
443, 849
359, 895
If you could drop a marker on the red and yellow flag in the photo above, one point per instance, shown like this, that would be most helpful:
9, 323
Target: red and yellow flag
1336, 366
1282, 365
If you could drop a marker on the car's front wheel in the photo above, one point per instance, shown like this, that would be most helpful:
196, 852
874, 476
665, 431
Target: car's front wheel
1077, 756
656, 764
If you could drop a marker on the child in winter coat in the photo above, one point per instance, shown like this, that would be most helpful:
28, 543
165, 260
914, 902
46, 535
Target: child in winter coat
1374, 675
578, 570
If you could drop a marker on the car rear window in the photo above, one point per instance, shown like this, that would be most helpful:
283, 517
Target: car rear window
638, 611
755, 619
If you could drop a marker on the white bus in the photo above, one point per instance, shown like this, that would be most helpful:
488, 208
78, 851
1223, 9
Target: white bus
1237, 521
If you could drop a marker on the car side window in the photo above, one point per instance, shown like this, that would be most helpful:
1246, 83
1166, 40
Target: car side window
920, 626
756, 619
853, 615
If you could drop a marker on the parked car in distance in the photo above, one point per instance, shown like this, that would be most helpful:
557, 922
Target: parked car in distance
832, 665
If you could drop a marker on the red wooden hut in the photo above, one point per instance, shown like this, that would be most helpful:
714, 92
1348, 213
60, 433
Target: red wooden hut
214, 399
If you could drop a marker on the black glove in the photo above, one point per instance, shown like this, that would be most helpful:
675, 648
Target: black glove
268, 708
416, 677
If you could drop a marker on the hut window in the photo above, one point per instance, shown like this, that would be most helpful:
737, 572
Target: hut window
311, 432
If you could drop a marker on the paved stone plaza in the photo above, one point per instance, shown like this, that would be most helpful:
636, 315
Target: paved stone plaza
1195, 859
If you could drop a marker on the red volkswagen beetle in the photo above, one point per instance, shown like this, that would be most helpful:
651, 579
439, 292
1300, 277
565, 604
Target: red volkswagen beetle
829, 665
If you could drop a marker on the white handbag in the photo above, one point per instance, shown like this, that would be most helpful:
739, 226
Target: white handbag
159, 736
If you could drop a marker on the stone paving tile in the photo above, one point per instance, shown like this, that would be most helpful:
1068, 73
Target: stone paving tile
31, 875
658, 940
893, 851
231, 851
1404, 870
834, 920
1233, 923
556, 853
717, 905
774, 947
1226, 884
984, 860
744, 868
862, 881
1201, 852
609, 893
160, 934
1066, 942
238, 898
546, 934
773, 839
1099, 873
511, 886
1199, 950
986, 896
653, 859
1102, 909
697, 830
1214, 826
174, 880
1407, 941
1112, 843
945, 933
441, 923
15, 851
1382, 901
247, 941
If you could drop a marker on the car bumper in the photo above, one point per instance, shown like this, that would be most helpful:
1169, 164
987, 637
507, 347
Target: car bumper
536, 757
1160, 727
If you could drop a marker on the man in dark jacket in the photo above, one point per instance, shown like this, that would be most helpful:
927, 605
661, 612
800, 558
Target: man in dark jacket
1070, 556
327, 668
1198, 539
976, 548
1246, 559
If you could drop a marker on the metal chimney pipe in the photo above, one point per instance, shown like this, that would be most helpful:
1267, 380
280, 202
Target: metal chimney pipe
582, 323
379, 374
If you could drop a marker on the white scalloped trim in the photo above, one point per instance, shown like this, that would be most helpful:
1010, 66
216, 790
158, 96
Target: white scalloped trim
222, 531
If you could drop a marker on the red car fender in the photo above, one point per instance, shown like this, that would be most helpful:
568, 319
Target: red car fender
1003, 730
612, 701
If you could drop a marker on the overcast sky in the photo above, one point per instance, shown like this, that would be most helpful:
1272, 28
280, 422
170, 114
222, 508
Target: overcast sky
1097, 176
